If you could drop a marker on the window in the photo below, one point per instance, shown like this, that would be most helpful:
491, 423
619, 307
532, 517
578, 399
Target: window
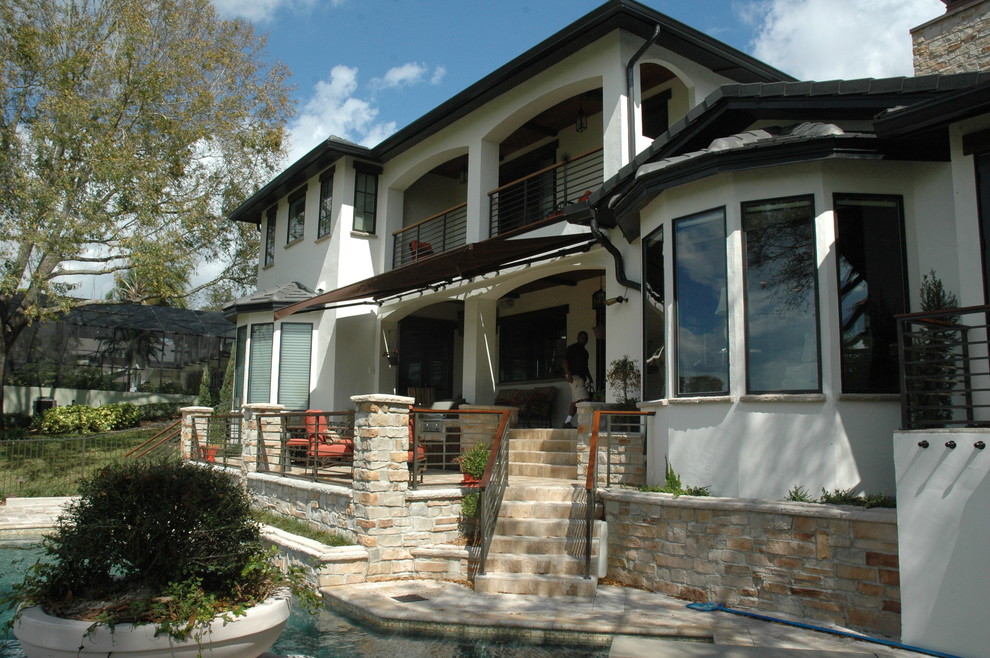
532, 345
293, 365
260, 364
870, 249
700, 297
654, 333
270, 236
240, 349
656, 115
365, 200
297, 216
781, 296
326, 204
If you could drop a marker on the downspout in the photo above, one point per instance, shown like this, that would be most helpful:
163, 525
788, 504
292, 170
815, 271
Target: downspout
620, 270
630, 87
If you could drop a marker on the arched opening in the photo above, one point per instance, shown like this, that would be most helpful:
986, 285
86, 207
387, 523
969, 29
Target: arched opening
434, 211
663, 98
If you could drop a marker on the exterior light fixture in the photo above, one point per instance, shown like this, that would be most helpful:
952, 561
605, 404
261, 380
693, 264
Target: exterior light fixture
581, 124
616, 300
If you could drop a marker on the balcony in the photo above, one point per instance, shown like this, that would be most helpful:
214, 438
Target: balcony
544, 193
433, 235
945, 379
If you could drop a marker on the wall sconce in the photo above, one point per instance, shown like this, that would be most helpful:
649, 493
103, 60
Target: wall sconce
581, 124
616, 300
462, 179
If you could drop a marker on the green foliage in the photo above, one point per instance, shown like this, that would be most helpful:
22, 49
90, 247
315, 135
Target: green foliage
205, 398
799, 495
301, 528
78, 418
179, 537
624, 379
225, 401
849, 497
932, 371
474, 461
469, 504
160, 410
673, 485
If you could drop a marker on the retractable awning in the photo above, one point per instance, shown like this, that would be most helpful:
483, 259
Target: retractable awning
470, 260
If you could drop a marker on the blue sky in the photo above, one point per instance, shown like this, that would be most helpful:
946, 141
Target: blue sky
364, 68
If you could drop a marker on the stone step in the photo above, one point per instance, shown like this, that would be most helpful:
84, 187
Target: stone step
523, 583
543, 434
542, 565
573, 546
572, 492
542, 457
547, 445
543, 471
542, 509
543, 527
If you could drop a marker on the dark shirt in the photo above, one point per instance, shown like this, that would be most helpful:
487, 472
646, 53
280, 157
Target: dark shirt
577, 361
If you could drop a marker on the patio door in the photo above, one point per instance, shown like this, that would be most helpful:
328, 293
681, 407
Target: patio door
426, 356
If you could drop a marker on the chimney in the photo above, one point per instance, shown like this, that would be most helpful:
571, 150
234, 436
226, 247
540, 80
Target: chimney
955, 42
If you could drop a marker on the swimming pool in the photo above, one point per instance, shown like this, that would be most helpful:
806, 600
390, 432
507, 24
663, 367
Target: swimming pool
323, 635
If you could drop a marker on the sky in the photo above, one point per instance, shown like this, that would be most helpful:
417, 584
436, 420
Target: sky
362, 69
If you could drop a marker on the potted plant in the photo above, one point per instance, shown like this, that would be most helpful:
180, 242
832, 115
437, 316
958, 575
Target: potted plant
160, 558
473, 463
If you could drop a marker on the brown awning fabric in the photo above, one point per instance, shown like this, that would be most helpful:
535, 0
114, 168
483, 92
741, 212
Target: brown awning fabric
467, 261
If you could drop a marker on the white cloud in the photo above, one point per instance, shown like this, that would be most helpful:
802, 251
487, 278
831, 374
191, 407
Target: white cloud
406, 75
333, 109
830, 39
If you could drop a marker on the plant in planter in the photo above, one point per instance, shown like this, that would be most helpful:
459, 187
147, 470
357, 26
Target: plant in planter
161, 556
473, 463
623, 377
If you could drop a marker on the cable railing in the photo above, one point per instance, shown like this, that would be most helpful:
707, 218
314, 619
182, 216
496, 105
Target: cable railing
311, 445
944, 368
440, 437
216, 439
545, 193
433, 235
622, 447
492, 489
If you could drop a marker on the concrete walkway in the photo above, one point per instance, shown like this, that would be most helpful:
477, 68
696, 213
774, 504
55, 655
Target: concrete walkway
631, 622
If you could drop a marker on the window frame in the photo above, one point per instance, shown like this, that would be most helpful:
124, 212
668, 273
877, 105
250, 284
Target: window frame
678, 393
324, 224
361, 210
810, 198
254, 362
284, 368
295, 226
270, 226
647, 389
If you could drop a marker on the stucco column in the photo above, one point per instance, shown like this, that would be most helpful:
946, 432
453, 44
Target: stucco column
260, 437
381, 479
482, 179
480, 350
194, 426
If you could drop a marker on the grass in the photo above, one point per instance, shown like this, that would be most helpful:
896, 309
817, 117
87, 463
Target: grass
54, 466
301, 528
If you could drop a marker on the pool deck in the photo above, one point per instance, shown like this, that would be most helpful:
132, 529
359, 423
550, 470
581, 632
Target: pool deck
631, 621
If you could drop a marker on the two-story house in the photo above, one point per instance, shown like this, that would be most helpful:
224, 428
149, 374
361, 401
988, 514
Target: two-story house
745, 237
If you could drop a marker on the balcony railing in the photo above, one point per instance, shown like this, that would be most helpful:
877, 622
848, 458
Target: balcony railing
433, 235
545, 193
945, 379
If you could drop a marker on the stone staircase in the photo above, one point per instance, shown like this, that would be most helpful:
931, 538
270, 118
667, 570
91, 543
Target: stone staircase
539, 541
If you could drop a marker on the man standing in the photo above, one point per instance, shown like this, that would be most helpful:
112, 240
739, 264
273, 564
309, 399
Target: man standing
578, 375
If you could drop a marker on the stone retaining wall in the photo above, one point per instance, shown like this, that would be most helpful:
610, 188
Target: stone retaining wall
829, 563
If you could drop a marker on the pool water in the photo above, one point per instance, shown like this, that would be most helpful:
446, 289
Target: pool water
323, 635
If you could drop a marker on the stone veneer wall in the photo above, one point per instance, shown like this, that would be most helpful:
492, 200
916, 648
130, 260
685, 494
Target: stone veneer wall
828, 563
956, 42
628, 459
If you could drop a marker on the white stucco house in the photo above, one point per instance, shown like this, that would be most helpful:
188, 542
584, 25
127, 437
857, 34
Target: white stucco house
747, 238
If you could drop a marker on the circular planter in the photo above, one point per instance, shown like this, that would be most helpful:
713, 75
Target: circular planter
247, 636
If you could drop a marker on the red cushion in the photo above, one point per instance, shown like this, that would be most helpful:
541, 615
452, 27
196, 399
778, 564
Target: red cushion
342, 448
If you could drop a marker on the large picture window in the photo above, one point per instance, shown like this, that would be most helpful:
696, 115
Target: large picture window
297, 216
654, 332
270, 236
295, 351
365, 200
260, 364
531, 345
870, 249
700, 297
325, 224
781, 296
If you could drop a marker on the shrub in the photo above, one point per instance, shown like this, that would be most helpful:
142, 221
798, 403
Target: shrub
469, 504
87, 420
799, 495
174, 540
160, 410
672, 485
474, 461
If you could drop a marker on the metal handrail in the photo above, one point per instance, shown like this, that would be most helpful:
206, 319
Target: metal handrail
944, 369
170, 433
433, 235
591, 482
492, 489
545, 193
223, 439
